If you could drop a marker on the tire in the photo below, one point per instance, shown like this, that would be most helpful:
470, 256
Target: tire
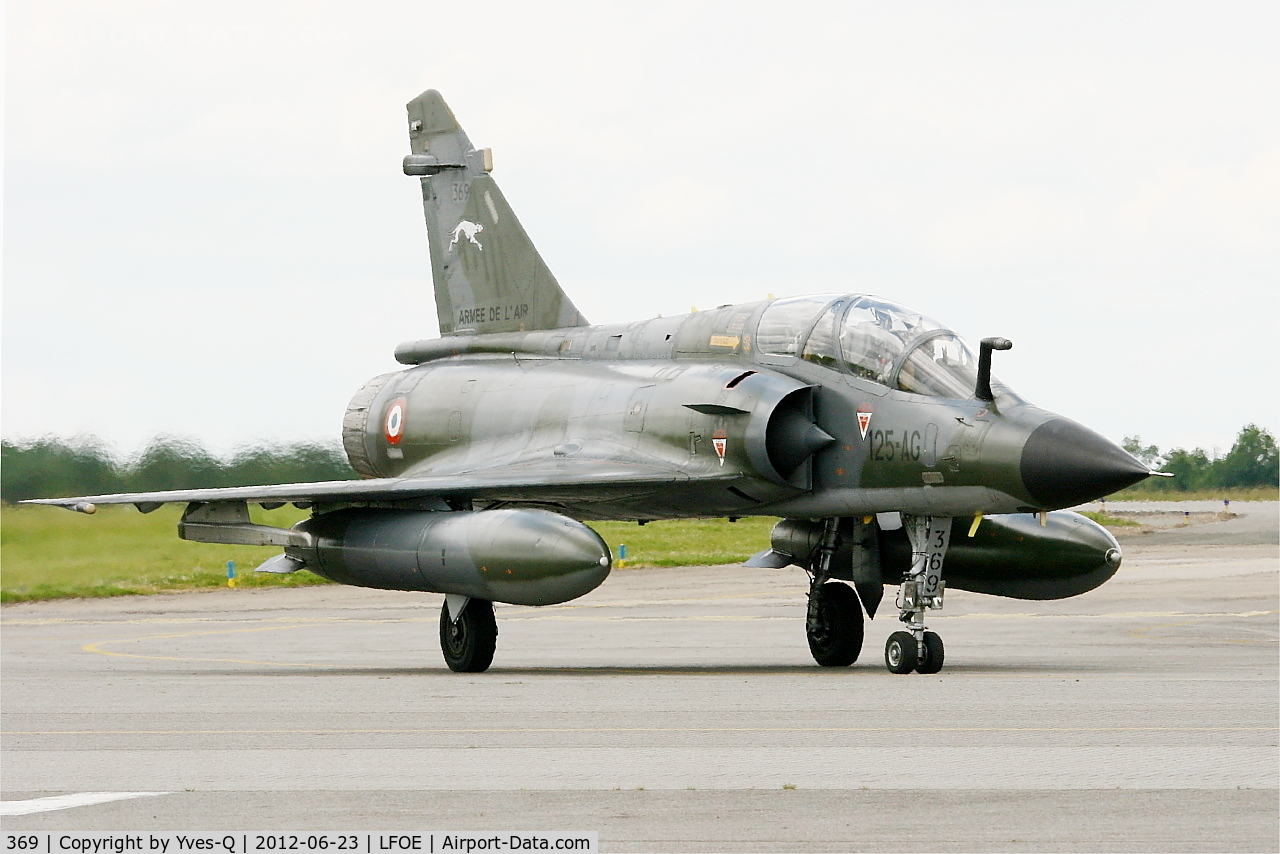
933, 654
469, 642
900, 652
836, 640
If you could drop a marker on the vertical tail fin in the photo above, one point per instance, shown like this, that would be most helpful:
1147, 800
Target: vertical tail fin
488, 275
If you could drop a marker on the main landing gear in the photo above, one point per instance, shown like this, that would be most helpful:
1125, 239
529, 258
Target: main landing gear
922, 589
834, 620
468, 634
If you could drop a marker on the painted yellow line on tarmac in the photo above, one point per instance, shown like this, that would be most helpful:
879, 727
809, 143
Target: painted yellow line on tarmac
532, 730
1115, 615
783, 595
95, 648
503, 610
695, 618
559, 616
222, 621
553, 612
1149, 632
1120, 615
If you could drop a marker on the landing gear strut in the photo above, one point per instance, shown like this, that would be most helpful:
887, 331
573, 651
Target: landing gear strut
468, 634
922, 589
834, 620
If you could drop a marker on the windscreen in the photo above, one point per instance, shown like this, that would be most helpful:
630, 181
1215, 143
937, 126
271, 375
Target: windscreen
941, 366
901, 348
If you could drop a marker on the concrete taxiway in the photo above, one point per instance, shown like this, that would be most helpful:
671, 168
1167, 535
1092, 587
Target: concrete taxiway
676, 710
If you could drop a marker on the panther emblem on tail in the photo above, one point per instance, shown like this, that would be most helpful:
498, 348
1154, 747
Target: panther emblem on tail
467, 229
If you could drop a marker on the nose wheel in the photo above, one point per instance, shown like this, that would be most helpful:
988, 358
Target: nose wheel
903, 653
931, 662
900, 652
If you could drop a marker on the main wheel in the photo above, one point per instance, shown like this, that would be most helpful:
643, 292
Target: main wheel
900, 652
834, 625
469, 641
933, 654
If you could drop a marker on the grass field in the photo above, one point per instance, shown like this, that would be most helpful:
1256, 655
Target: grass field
688, 542
49, 553
1109, 521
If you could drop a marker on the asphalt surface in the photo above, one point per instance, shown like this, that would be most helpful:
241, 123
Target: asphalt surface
676, 710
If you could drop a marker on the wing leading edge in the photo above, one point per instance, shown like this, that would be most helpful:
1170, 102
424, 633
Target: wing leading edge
531, 482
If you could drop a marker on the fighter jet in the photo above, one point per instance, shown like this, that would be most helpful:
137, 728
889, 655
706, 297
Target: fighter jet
888, 449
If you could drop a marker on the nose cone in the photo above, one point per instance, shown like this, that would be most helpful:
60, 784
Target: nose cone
1064, 464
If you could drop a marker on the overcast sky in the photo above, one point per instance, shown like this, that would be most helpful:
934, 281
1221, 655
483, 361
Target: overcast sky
207, 231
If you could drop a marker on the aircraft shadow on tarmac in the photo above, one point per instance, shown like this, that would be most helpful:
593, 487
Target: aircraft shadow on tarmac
1030, 669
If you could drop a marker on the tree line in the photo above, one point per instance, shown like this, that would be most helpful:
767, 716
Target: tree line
1251, 462
52, 468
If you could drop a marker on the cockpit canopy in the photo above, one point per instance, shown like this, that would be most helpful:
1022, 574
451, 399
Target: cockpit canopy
871, 338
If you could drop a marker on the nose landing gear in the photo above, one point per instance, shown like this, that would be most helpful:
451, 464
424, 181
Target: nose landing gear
922, 589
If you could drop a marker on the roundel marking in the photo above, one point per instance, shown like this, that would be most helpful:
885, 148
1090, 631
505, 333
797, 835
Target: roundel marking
393, 423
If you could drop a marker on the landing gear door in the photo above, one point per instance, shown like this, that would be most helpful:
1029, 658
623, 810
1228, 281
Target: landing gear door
930, 536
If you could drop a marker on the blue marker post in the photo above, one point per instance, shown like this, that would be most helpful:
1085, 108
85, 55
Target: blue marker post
622, 555
231, 573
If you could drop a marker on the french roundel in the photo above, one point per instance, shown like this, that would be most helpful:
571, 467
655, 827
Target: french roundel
393, 424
